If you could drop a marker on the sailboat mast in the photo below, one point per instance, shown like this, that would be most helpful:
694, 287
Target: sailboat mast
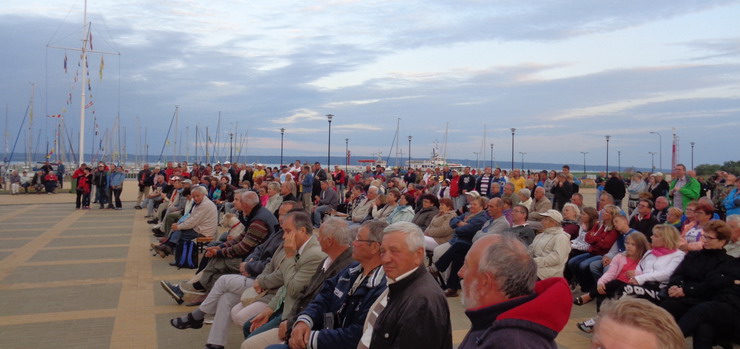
447, 128
176, 150
29, 152
83, 83
196, 144
187, 144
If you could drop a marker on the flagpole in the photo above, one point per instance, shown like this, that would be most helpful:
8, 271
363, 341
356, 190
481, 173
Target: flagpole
83, 84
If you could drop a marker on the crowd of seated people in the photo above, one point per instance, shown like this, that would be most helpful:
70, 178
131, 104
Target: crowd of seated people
682, 259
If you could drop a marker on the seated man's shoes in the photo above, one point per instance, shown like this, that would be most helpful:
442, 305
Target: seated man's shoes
174, 291
190, 323
152, 221
452, 293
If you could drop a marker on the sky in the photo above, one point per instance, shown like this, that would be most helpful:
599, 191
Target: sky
563, 73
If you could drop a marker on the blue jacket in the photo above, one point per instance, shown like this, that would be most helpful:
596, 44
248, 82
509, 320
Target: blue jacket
732, 202
116, 178
307, 183
466, 232
349, 310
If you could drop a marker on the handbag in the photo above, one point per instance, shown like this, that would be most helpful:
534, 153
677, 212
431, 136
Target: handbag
250, 295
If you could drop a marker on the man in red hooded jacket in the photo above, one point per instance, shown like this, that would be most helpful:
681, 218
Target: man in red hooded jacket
504, 301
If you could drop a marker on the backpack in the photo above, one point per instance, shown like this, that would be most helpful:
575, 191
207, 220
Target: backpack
186, 255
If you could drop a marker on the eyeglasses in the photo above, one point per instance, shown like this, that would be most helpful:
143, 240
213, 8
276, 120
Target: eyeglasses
707, 237
368, 241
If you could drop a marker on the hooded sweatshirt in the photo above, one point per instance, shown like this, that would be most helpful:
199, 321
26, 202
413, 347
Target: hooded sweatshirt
531, 321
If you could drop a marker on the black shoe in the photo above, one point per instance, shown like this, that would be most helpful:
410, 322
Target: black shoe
157, 232
137, 207
152, 221
102, 207
173, 291
191, 323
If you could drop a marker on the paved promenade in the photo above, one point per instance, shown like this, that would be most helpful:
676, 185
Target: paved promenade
86, 279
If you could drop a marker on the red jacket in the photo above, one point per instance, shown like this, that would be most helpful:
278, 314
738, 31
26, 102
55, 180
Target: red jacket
454, 187
600, 239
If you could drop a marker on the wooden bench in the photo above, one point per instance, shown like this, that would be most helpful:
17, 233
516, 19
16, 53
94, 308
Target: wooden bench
202, 241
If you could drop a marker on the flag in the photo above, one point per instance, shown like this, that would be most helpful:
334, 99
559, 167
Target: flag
55, 116
102, 64
65, 63
95, 122
91, 47
89, 87
89, 105
48, 156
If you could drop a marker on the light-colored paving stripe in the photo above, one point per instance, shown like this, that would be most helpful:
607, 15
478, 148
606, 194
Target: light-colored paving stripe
82, 246
98, 227
21, 286
59, 316
17, 213
91, 236
23, 254
135, 326
71, 262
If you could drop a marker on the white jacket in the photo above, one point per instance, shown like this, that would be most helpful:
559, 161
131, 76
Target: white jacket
550, 250
654, 268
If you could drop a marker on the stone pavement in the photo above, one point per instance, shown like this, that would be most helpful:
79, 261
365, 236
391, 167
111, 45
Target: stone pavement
86, 279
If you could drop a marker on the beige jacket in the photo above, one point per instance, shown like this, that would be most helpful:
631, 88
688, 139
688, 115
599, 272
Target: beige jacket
550, 250
203, 219
440, 228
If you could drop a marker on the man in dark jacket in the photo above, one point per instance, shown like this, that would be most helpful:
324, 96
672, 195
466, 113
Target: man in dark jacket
347, 297
413, 311
644, 221
100, 180
504, 301
144, 185
615, 186
326, 201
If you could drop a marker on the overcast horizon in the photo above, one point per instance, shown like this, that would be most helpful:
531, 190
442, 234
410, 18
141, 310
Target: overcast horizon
563, 73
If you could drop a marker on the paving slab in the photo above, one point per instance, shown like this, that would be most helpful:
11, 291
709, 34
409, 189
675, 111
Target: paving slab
85, 333
66, 272
79, 254
89, 241
59, 299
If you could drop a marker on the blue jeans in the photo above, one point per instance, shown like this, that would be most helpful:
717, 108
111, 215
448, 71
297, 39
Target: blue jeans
580, 266
186, 235
318, 212
101, 196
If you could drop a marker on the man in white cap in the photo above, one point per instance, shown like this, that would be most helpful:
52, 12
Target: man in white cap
550, 249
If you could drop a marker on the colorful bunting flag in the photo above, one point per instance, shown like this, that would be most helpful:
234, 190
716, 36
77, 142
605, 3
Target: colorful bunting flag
102, 64
89, 105
65, 63
59, 116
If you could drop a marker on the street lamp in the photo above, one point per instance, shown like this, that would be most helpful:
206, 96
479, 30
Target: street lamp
491, 155
409, 151
584, 163
652, 160
660, 148
346, 156
522, 154
231, 147
476, 160
692, 154
512, 148
328, 147
619, 161
607, 154
282, 133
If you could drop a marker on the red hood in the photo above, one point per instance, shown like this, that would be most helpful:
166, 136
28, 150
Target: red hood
551, 308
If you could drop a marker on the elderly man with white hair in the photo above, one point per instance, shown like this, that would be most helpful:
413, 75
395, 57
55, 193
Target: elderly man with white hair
413, 311
202, 221
550, 249
501, 294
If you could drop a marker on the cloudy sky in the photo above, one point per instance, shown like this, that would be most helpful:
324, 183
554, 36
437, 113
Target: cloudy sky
564, 73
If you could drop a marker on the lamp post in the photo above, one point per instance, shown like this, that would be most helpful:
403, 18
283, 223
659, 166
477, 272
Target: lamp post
512, 148
619, 161
409, 151
652, 160
231, 147
282, 133
346, 156
692, 154
476, 160
584, 163
660, 148
522, 154
328, 147
491, 155
607, 154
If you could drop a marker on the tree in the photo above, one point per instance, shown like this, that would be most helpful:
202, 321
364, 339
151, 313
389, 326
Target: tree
708, 170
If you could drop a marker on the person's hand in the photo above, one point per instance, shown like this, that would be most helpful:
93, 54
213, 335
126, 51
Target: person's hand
601, 289
282, 330
261, 319
174, 227
243, 269
633, 281
630, 273
676, 292
299, 336
606, 261
257, 287
289, 245
211, 251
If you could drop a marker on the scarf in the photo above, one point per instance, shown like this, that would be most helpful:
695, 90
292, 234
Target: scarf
662, 251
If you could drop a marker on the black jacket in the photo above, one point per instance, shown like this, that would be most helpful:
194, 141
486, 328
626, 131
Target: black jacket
615, 187
416, 316
561, 195
660, 190
692, 274
644, 225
